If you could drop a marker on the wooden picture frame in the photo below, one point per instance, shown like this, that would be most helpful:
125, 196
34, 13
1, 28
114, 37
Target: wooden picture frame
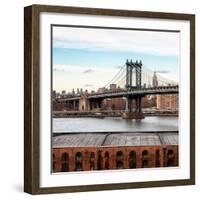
32, 107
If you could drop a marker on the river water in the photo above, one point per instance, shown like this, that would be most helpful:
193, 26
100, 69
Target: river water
114, 124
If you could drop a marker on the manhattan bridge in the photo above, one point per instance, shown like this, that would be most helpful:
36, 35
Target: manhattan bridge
133, 81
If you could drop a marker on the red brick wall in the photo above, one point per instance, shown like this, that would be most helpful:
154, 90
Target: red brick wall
99, 160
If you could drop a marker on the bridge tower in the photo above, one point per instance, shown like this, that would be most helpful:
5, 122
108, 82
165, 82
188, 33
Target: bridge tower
137, 67
130, 66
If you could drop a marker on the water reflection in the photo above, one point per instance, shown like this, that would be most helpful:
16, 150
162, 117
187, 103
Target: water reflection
114, 124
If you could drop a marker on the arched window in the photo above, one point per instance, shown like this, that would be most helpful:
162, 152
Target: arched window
65, 167
92, 161
132, 159
157, 158
92, 155
132, 154
107, 160
64, 162
78, 156
119, 160
120, 155
145, 159
170, 158
78, 161
65, 157
145, 153
170, 153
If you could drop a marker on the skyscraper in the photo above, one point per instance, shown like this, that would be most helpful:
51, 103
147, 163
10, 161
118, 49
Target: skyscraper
155, 80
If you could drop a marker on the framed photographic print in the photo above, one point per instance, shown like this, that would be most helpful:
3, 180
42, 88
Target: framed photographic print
109, 99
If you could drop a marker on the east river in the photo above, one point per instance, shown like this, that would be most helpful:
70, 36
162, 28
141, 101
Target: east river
109, 124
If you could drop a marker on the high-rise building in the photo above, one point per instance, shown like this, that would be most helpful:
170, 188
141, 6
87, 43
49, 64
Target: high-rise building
63, 92
113, 86
54, 94
101, 90
155, 80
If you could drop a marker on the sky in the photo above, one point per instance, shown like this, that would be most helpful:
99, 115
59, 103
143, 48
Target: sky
89, 58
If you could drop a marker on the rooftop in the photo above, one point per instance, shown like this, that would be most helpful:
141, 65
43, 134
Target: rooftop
114, 139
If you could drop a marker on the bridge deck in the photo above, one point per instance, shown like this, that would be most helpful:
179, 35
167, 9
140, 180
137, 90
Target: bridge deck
123, 93
115, 139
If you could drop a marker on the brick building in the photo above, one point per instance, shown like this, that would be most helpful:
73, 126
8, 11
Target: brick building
57, 106
149, 101
99, 151
169, 101
114, 104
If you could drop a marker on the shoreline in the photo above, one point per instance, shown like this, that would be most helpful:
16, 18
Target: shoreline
76, 115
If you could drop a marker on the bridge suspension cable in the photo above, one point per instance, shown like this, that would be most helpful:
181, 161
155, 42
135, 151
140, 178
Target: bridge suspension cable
147, 78
122, 81
117, 76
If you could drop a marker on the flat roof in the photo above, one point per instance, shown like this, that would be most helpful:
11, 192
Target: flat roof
114, 139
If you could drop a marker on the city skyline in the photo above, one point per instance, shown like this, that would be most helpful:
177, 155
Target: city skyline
89, 58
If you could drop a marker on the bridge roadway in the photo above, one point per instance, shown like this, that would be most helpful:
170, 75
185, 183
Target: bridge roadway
124, 93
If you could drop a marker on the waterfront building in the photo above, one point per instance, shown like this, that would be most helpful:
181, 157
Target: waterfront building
73, 152
57, 106
114, 104
168, 101
149, 101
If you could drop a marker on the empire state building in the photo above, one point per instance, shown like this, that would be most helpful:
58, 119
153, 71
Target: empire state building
155, 80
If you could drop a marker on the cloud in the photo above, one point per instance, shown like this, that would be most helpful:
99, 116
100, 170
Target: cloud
69, 68
58, 69
67, 77
88, 71
118, 67
81, 69
88, 85
162, 72
150, 42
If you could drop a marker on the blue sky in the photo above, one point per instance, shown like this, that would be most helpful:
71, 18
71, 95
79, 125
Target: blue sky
89, 58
